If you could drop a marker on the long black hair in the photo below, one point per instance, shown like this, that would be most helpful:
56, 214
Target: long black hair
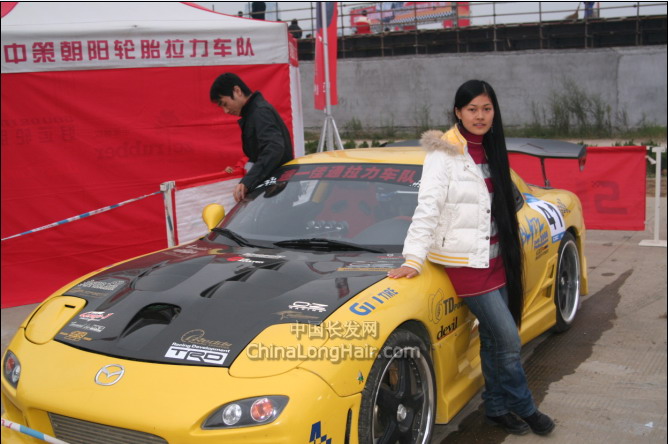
503, 203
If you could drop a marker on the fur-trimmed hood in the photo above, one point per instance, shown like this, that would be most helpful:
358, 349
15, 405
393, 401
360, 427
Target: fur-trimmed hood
452, 141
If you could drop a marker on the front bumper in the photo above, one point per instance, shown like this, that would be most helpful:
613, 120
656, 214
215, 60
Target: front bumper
166, 401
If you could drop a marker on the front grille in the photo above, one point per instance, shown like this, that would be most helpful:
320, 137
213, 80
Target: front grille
76, 431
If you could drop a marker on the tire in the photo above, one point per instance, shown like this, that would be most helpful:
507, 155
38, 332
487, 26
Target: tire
399, 398
567, 285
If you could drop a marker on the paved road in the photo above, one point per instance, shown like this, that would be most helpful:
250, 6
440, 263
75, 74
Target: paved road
603, 381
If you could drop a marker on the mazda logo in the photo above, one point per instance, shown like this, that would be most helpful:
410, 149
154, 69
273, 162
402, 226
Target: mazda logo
109, 374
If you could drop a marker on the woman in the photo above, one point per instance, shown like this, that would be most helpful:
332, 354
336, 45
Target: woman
466, 221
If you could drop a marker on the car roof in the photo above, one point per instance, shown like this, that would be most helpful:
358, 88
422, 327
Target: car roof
396, 155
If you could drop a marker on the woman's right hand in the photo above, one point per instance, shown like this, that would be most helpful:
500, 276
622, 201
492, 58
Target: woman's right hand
402, 272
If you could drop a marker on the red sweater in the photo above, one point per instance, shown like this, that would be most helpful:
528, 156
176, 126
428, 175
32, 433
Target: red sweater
475, 281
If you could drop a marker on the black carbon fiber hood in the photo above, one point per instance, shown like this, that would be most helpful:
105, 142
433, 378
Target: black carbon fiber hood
202, 303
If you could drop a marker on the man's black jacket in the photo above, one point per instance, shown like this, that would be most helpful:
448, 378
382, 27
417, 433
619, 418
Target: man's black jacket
266, 140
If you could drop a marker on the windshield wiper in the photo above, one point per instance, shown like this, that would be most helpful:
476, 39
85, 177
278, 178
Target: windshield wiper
318, 243
242, 241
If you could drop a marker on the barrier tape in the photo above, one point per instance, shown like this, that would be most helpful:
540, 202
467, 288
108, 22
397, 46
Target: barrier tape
30, 432
81, 216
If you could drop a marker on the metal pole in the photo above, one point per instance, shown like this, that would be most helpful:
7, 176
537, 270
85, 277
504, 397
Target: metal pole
659, 150
540, 24
313, 29
329, 134
415, 23
325, 46
494, 18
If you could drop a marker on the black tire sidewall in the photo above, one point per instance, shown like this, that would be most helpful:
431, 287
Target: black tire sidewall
400, 338
562, 325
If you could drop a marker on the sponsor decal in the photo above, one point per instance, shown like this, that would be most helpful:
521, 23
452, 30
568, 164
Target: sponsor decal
96, 288
360, 377
534, 232
373, 302
94, 316
450, 305
90, 327
101, 285
435, 302
408, 175
316, 436
289, 314
195, 347
554, 218
445, 330
563, 208
542, 251
75, 336
186, 250
308, 306
243, 259
264, 256
197, 337
194, 353
368, 266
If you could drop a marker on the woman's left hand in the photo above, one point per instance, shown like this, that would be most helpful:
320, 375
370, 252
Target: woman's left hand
401, 272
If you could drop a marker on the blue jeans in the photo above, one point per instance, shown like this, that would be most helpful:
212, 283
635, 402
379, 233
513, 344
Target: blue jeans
506, 388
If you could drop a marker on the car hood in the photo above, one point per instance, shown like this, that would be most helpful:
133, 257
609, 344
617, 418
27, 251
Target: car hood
202, 303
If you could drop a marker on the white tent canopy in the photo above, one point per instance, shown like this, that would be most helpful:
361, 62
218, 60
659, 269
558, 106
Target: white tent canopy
203, 37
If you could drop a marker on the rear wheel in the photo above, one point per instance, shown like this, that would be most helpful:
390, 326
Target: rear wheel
567, 291
398, 401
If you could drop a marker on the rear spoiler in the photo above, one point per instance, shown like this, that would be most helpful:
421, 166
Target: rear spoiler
547, 149
541, 148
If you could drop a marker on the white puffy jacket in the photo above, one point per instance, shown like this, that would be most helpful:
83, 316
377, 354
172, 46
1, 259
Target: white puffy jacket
452, 222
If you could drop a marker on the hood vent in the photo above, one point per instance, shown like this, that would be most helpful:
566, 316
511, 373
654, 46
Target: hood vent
147, 324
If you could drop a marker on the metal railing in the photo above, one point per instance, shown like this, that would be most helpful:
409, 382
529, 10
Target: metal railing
494, 14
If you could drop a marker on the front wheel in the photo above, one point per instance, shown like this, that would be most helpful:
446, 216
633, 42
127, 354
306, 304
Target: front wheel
398, 400
567, 291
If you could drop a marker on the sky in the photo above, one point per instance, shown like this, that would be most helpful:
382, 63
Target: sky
482, 13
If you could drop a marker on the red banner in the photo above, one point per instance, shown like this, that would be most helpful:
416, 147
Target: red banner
320, 87
611, 187
76, 141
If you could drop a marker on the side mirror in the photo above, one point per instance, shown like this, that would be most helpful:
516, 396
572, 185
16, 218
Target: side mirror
212, 214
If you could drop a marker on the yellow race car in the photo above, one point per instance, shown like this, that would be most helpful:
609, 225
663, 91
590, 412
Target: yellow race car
280, 325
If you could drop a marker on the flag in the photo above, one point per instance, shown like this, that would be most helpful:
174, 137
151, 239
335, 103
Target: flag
319, 78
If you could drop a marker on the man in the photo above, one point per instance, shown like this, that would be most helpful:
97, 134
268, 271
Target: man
264, 136
363, 24
295, 29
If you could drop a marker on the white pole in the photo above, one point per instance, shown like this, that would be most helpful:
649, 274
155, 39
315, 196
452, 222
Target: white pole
659, 150
167, 189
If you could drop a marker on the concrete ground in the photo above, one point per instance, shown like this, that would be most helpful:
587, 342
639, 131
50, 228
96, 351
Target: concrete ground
603, 381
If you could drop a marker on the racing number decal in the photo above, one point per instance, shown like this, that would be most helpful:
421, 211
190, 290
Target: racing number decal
552, 214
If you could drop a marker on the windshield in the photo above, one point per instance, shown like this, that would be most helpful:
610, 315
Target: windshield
370, 205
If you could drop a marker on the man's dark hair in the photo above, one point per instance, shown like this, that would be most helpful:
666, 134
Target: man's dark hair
224, 84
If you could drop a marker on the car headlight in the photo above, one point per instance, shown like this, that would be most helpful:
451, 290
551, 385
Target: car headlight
11, 368
247, 412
